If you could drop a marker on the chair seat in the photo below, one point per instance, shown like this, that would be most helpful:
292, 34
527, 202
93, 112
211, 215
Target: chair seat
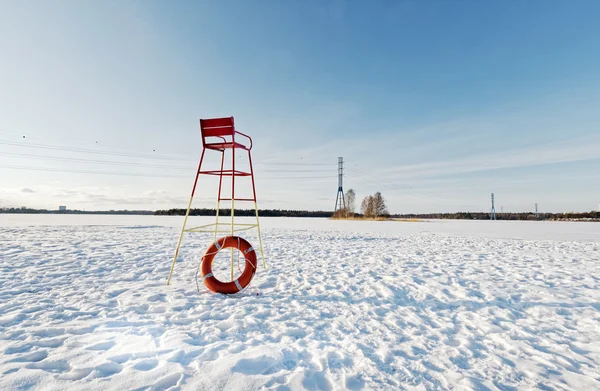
227, 145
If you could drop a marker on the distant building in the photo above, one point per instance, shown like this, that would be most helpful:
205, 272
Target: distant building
62, 208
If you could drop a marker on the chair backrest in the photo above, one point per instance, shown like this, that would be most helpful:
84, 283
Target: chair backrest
217, 127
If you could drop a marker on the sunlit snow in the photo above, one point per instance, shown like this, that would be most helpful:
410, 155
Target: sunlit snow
343, 305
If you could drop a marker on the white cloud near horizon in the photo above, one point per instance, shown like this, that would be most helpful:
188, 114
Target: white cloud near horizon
553, 153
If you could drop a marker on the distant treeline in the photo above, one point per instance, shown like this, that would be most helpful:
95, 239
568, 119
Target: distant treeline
245, 212
592, 216
76, 212
585, 216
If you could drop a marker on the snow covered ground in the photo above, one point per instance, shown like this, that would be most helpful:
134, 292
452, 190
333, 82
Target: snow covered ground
343, 305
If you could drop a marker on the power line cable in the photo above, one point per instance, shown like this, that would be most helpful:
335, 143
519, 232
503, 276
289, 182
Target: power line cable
139, 155
378, 178
134, 155
110, 162
414, 190
50, 169
360, 176
394, 187
267, 170
101, 145
387, 184
301, 177
80, 143
297, 164
90, 172
83, 150
132, 163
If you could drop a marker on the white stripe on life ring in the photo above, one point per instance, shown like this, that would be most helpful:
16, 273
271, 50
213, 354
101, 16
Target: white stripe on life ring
218, 245
207, 276
238, 285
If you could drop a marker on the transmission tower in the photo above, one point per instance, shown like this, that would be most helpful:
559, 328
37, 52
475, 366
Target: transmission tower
493, 213
537, 215
339, 199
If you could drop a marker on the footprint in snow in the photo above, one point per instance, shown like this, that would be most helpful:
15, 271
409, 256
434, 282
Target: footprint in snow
166, 382
51, 366
32, 357
101, 346
120, 359
161, 297
107, 369
18, 349
115, 293
146, 365
51, 342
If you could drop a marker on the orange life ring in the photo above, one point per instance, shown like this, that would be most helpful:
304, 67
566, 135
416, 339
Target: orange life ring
243, 280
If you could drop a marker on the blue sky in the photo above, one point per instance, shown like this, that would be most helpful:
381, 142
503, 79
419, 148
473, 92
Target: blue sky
434, 103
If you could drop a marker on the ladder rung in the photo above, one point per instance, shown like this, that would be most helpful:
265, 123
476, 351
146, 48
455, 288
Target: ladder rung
209, 227
225, 173
237, 199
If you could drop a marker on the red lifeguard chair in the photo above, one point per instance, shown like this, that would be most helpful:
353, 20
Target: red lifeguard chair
220, 135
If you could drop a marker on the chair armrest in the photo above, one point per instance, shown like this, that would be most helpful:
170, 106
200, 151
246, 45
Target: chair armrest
248, 137
221, 137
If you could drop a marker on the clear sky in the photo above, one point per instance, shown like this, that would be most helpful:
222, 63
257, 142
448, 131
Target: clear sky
434, 103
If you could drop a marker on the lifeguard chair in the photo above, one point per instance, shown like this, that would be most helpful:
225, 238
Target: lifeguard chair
220, 135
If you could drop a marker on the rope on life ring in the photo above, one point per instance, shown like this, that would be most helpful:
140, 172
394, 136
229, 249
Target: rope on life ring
243, 280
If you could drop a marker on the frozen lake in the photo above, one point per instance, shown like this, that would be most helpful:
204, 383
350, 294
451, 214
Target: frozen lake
468, 305
528, 230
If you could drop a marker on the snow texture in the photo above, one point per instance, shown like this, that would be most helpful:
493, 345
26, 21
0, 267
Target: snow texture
342, 306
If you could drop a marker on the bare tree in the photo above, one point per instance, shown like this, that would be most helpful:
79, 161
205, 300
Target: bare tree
379, 207
350, 201
366, 206
374, 206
